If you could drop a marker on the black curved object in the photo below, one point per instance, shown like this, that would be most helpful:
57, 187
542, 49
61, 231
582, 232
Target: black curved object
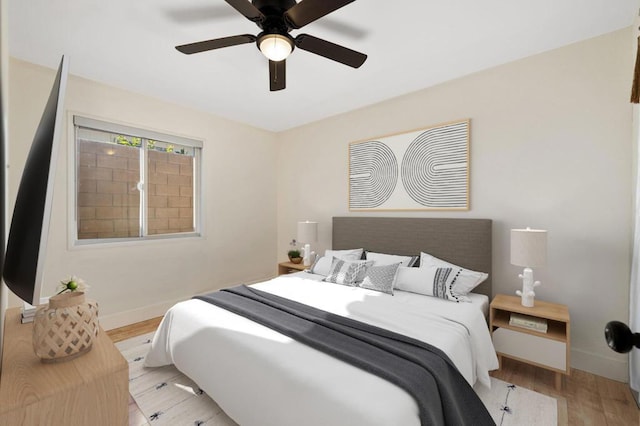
280, 17
620, 338
27, 242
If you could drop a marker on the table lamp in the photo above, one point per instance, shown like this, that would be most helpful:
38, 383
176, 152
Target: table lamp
528, 249
307, 233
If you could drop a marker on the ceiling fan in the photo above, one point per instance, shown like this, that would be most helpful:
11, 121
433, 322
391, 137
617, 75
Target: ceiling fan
277, 18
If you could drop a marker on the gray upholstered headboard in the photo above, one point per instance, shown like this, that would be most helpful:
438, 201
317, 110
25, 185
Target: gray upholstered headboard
464, 242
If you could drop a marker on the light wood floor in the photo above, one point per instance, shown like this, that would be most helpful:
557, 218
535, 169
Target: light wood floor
136, 418
590, 399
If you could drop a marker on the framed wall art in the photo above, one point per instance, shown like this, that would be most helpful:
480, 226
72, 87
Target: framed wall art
424, 169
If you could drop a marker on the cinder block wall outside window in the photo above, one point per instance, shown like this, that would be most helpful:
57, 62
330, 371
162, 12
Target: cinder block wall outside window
108, 198
170, 193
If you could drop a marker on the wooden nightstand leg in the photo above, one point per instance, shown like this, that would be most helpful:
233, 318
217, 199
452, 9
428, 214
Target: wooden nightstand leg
558, 381
499, 362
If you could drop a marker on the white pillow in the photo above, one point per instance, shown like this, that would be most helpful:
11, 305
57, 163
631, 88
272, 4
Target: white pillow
355, 254
467, 280
389, 259
321, 266
347, 273
430, 281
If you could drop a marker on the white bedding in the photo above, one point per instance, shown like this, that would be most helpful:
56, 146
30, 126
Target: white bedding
260, 377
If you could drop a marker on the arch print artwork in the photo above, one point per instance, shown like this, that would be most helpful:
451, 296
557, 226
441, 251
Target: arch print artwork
425, 169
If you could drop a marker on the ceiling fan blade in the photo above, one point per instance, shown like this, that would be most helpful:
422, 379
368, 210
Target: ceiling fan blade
277, 75
308, 11
218, 43
247, 9
330, 50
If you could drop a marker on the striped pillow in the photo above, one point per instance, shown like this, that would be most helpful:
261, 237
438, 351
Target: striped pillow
466, 279
346, 272
381, 278
431, 281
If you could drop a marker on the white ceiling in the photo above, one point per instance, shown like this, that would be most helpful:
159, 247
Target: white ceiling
412, 44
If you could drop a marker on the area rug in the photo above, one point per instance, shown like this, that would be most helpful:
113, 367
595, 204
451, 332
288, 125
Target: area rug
167, 397
512, 405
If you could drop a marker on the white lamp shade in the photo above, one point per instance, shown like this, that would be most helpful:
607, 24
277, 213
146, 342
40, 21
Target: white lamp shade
307, 232
528, 247
275, 47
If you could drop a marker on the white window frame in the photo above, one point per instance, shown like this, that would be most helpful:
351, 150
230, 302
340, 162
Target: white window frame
82, 121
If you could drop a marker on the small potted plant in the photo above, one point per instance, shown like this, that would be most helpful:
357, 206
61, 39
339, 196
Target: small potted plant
294, 256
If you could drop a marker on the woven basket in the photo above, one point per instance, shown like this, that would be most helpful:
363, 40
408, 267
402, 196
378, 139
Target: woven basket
65, 328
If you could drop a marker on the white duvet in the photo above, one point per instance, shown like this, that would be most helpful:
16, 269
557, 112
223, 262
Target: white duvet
261, 377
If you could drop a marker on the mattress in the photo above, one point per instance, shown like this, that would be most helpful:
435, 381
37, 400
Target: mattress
479, 300
260, 377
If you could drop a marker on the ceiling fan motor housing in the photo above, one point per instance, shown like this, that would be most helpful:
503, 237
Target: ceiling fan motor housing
274, 21
273, 7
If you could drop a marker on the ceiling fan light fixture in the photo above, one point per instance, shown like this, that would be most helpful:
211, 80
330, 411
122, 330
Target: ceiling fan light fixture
275, 47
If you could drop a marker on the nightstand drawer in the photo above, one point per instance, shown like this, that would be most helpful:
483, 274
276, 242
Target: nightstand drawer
532, 348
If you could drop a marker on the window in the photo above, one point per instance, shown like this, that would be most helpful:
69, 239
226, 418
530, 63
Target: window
134, 184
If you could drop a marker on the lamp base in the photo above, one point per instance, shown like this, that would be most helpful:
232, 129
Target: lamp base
527, 294
306, 260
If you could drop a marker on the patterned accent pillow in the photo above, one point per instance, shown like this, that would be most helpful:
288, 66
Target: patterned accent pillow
431, 281
414, 261
440, 282
322, 265
381, 278
467, 279
347, 273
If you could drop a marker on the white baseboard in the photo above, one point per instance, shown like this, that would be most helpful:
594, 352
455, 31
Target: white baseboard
636, 396
615, 368
120, 319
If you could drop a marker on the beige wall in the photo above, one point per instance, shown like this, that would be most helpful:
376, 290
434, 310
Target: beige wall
551, 148
137, 281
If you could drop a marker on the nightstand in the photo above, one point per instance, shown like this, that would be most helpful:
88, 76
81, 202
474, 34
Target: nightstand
548, 350
290, 267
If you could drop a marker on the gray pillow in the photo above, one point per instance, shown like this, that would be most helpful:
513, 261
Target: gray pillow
347, 273
381, 278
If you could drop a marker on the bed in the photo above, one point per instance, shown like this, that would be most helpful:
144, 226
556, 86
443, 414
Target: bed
261, 377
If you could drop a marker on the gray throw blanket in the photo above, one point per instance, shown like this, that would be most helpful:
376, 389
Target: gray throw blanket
444, 397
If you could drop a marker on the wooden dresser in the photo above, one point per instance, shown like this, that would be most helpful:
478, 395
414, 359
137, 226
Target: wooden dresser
92, 389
